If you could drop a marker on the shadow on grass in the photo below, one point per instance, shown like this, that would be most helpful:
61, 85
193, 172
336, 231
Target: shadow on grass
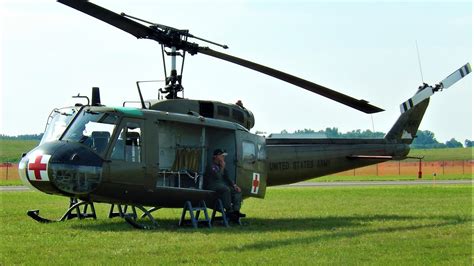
354, 225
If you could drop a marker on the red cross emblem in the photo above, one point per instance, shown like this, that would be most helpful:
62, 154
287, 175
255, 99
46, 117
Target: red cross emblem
255, 183
38, 167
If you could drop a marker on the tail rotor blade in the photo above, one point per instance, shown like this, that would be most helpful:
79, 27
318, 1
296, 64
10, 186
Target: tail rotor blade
426, 91
416, 99
455, 77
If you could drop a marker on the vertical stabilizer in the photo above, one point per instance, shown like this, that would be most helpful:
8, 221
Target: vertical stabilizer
404, 130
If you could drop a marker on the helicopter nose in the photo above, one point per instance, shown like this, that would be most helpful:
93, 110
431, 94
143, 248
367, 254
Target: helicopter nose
62, 168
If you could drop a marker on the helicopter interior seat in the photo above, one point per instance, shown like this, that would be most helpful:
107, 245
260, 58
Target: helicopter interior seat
187, 163
100, 140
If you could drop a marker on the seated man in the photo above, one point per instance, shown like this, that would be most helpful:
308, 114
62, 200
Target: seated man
217, 179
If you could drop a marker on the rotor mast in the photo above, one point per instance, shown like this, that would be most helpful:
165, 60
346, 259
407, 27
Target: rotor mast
176, 37
173, 81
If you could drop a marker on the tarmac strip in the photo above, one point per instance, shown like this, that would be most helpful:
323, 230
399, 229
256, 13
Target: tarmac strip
14, 188
324, 184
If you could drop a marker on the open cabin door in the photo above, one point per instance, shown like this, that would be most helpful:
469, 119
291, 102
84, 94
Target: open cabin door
251, 166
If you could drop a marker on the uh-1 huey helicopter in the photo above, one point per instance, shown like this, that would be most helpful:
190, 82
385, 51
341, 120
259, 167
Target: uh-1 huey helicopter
157, 155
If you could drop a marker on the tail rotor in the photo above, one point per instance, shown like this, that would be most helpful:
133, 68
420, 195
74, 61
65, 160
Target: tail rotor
413, 109
425, 91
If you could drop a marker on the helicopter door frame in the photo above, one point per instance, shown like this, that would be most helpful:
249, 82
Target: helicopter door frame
224, 139
180, 154
127, 154
251, 164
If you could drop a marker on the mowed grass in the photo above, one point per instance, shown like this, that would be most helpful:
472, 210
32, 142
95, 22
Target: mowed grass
445, 154
364, 225
11, 150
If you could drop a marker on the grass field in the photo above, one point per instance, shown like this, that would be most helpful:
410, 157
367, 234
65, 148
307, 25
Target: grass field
453, 154
11, 150
363, 225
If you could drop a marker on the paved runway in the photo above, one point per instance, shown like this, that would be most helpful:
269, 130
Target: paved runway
326, 184
13, 188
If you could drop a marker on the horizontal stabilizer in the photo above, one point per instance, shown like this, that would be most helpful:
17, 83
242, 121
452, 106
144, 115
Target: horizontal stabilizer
426, 91
371, 157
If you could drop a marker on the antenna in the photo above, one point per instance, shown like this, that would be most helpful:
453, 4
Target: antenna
419, 61
373, 126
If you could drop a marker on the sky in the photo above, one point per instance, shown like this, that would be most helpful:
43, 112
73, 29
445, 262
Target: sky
50, 52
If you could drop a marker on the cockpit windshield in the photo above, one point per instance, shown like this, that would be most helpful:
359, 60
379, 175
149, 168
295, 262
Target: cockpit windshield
58, 120
93, 129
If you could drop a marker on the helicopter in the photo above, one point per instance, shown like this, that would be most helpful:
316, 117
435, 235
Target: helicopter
156, 155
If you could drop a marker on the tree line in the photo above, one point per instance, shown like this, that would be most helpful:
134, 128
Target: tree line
425, 139
22, 137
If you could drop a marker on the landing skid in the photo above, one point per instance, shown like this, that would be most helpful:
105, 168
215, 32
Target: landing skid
74, 211
133, 221
80, 209
132, 217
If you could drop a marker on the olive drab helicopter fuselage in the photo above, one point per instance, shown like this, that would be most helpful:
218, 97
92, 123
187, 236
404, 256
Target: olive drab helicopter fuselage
157, 155
143, 156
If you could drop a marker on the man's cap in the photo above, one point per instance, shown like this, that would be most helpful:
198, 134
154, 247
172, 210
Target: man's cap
220, 152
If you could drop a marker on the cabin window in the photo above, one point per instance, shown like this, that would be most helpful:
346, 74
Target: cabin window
238, 115
206, 109
223, 111
128, 146
248, 151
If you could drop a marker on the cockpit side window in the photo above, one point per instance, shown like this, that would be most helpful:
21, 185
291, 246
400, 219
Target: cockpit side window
128, 146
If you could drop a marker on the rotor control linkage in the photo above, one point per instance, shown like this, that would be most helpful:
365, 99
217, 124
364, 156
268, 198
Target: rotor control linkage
172, 30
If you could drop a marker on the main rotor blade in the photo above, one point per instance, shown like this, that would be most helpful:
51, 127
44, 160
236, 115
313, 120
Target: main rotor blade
136, 29
173, 40
361, 105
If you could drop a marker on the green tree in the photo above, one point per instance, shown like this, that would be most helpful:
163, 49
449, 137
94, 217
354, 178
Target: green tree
425, 139
453, 143
468, 143
23, 137
367, 134
332, 132
304, 131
